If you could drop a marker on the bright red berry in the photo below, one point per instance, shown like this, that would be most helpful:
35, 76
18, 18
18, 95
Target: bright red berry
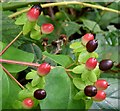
91, 63
100, 96
44, 69
34, 13
101, 84
86, 38
28, 103
47, 28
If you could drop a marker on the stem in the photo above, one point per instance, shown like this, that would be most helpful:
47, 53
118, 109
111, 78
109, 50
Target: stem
3, 51
6, 71
68, 3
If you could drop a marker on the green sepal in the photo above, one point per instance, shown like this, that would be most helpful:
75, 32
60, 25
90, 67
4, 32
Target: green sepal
76, 45
79, 69
17, 104
79, 95
92, 77
31, 74
35, 34
35, 81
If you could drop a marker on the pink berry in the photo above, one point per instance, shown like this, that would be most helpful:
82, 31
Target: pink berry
91, 63
86, 38
101, 84
28, 103
44, 69
34, 13
47, 28
100, 96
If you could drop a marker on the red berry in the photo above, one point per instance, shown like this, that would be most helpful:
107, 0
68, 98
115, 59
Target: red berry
86, 38
91, 63
101, 84
44, 69
100, 96
28, 103
40, 94
47, 28
34, 13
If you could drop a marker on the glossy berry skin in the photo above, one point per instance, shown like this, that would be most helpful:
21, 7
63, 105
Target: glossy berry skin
43, 69
101, 84
28, 103
47, 28
86, 38
100, 96
34, 13
91, 63
90, 90
105, 65
92, 45
40, 94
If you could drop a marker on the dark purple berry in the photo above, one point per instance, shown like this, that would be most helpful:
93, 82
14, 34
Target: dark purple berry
90, 90
105, 65
92, 45
40, 94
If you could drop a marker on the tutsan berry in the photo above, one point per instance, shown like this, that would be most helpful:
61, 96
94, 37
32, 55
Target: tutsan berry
28, 103
90, 90
91, 63
40, 94
105, 65
92, 45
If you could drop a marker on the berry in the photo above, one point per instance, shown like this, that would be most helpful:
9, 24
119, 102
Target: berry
105, 65
28, 103
91, 63
92, 45
86, 38
47, 28
101, 84
90, 90
34, 13
100, 96
40, 94
43, 69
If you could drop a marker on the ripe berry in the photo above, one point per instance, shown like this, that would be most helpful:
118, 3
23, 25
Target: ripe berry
91, 63
40, 94
28, 103
105, 65
34, 13
92, 45
100, 96
47, 28
87, 37
43, 69
90, 90
101, 84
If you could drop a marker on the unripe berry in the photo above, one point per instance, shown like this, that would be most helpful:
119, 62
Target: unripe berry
34, 13
90, 90
28, 103
101, 84
92, 45
100, 96
105, 65
91, 63
47, 28
86, 38
40, 94
43, 69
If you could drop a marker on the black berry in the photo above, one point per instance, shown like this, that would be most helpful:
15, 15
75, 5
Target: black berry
105, 65
92, 45
90, 90
38, 7
40, 94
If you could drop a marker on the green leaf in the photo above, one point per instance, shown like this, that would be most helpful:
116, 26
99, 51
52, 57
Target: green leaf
79, 69
85, 75
92, 77
35, 81
63, 60
31, 74
17, 104
79, 95
76, 45
35, 34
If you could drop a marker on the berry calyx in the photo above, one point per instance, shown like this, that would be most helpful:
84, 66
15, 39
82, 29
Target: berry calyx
28, 103
91, 63
34, 13
40, 94
90, 90
86, 38
92, 45
105, 65
100, 96
47, 28
43, 69
101, 84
